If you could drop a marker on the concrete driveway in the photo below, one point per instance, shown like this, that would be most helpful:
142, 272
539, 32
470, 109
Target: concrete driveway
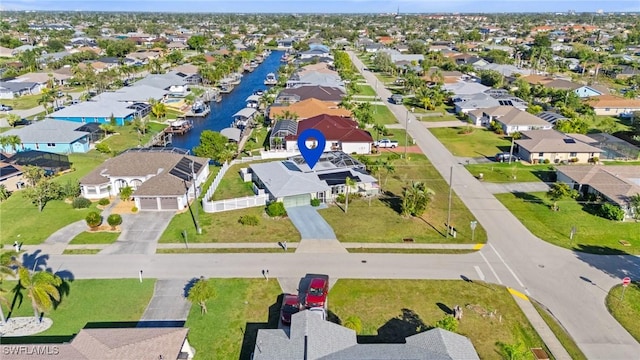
140, 233
309, 223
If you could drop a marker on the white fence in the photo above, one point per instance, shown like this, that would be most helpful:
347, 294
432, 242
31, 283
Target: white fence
237, 203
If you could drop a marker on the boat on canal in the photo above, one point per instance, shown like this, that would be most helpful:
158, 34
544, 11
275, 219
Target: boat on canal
271, 79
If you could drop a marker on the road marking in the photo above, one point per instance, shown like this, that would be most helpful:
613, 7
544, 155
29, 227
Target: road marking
491, 268
507, 266
478, 246
518, 294
480, 274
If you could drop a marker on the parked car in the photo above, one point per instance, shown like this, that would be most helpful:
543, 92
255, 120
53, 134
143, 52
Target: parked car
386, 143
59, 94
290, 306
502, 157
58, 108
319, 311
4, 107
316, 295
396, 99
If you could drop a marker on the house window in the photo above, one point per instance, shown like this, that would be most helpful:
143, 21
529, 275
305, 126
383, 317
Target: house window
573, 154
541, 154
607, 109
51, 144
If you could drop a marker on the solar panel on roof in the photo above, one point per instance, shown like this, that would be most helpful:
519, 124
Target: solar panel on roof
291, 166
569, 141
337, 178
181, 175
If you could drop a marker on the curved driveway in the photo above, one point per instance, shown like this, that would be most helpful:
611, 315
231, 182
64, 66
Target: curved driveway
572, 285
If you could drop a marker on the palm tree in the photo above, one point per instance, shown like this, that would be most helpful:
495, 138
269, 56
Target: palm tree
349, 182
200, 292
12, 140
46, 98
42, 288
159, 110
7, 263
415, 199
379, 129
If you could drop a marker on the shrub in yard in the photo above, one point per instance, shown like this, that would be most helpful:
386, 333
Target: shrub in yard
80, 203
114, 220
547, 161
340, 199
250, 220
315, 202
611, 212
104, 201
103, 148
134, 209
448, 323
276, 209
93, 219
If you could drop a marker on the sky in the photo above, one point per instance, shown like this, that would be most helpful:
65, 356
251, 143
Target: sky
328, 6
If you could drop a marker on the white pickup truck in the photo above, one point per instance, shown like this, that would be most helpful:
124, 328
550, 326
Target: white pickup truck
386, 143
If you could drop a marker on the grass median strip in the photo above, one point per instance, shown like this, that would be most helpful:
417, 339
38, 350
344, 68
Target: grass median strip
80, 251
221, 250
408, 251
626, 309
565, 339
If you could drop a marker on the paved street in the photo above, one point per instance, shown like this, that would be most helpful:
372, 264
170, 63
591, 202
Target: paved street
550, 274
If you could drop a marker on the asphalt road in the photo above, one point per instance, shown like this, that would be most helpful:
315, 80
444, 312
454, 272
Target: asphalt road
572, 285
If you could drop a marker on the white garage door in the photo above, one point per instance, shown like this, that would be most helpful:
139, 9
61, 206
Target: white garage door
169, 203
148, 203
297, 200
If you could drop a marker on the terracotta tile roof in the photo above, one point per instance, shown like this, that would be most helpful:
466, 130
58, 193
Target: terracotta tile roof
612, 101
309, 108
334, 128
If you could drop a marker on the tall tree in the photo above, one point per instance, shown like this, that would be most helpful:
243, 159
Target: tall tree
215, 146
559, 191
33, 174
43, 192
349, 183
8, 261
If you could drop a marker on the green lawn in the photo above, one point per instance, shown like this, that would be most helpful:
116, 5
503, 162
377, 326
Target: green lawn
241, 307
127, 137
563, 336
480, 142
358, 224
365, 90
608, 124
93, 301
20, 219
232, 185
101, 237
224, 227
80, 251
514, 172
382, 115
594, 234
257, 140
395, 309
24, 102
626, 310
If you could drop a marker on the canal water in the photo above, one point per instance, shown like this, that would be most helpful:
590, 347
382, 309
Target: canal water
221, 115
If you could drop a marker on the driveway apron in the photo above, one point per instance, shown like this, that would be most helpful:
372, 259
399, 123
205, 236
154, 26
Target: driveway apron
140, 233
168, 306
309, 223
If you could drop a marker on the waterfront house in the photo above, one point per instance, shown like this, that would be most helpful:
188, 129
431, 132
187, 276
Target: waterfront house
308, 108
63, 137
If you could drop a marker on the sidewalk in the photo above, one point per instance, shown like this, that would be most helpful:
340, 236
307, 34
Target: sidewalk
295, 245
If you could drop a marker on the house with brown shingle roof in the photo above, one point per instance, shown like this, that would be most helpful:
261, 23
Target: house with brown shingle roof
510, 118
309, 108
613, 105
615, 183
539, 145
143, 343
160, 180
322, 93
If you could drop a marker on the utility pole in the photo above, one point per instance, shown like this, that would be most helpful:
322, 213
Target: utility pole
449, 208
195, 197
511, 149
406, 134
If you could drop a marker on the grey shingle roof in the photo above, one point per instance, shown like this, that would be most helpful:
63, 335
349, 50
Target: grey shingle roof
324, 340
136, 93
49, 131
91, 109
162, 81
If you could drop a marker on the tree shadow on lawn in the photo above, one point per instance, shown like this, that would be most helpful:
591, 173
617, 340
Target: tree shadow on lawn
614, 262
393, 201
397, 329
250, 332
527, 197
547, 176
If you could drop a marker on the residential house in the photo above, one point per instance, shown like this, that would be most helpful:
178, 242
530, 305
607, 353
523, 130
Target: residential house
163, 81
464, 88
537, 146
448, 77
43, 78
511, 119
397, 56
292, 182
189, 72
315, 53
308, 108
550, 117
111, 344
340, 134
504, 69
315, 78
373, 47
488, 99
177, 45
310, 337
286, 43
55, 56
63, 137
613, 105
322, 93
138, 93
101, 112
614, 183
11, 90
161, 180
144, 56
